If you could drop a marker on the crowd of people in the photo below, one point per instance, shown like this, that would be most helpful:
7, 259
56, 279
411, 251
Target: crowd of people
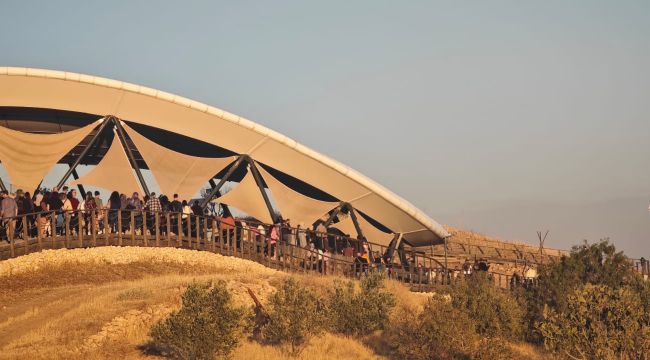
55, 212
19, 207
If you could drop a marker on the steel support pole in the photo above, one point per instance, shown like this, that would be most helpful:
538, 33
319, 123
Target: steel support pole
355, 221
74, 165
217, 187
226, 209
82, 191
260, 185
336, 211
390, 251
129, 153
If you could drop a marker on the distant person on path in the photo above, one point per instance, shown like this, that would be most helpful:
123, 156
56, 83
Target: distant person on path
467, 267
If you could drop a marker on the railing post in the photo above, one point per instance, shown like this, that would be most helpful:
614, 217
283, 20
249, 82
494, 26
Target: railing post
168, 228
107, 228
189, 231
25, 233
157, 224
222, 241
213, 238
205, 232
197, 230
144, 228
11, 238
53, 228
132, 226
120, 228
179, 236
39, 229
229, 241
66, 221
80, 227
93, 226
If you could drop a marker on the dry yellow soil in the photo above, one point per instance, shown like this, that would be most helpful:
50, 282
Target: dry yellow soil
100, 303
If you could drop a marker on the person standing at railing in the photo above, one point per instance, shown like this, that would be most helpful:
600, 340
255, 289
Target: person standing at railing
261, 237
74, 218
273, 240
186, 212
301, 235
25, 206
38, 197
114, 205
8, 211
66, 208
89, 207
44, 225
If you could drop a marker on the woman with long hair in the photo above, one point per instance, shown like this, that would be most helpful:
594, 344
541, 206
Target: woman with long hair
89, 207
114, 205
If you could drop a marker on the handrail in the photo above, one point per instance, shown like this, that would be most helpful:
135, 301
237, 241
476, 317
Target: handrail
42, 230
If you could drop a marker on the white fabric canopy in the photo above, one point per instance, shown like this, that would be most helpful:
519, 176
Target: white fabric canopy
177, 173
247, 197
113, 173
294, 205
29, 157
24, 87
371, 233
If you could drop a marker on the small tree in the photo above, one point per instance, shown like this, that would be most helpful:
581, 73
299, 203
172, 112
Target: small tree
599, 323
207, 324
355, 312
598, 264
294, 316
440, 331
496, 313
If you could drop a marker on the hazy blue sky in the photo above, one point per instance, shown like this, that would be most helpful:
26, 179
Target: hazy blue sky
504, 117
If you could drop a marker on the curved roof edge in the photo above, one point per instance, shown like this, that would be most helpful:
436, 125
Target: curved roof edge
345, 170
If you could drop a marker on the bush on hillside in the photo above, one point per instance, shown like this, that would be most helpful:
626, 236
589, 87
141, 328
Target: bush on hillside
599, 322
597, 264
294, 316
439, 331
362, 311
496, 313
207, 325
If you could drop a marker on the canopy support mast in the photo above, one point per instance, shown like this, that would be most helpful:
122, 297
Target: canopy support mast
74, 165
129, 153
260, 185
222, 181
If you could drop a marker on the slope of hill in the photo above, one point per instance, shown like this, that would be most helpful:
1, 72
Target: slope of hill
100, 302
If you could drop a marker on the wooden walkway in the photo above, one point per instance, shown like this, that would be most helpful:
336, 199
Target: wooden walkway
39, 231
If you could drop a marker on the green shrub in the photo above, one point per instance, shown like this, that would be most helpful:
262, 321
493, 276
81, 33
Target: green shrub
598, 264
495, 312
207, 325
294, 316
599, 322
439, 331
359, 312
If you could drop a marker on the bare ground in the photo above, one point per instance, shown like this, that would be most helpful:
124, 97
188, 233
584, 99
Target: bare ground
100, 303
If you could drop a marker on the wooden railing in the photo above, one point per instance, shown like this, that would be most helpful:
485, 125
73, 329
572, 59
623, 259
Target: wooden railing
79, 229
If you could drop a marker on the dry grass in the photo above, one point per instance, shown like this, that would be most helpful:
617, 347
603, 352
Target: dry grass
100, 303
326, 346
